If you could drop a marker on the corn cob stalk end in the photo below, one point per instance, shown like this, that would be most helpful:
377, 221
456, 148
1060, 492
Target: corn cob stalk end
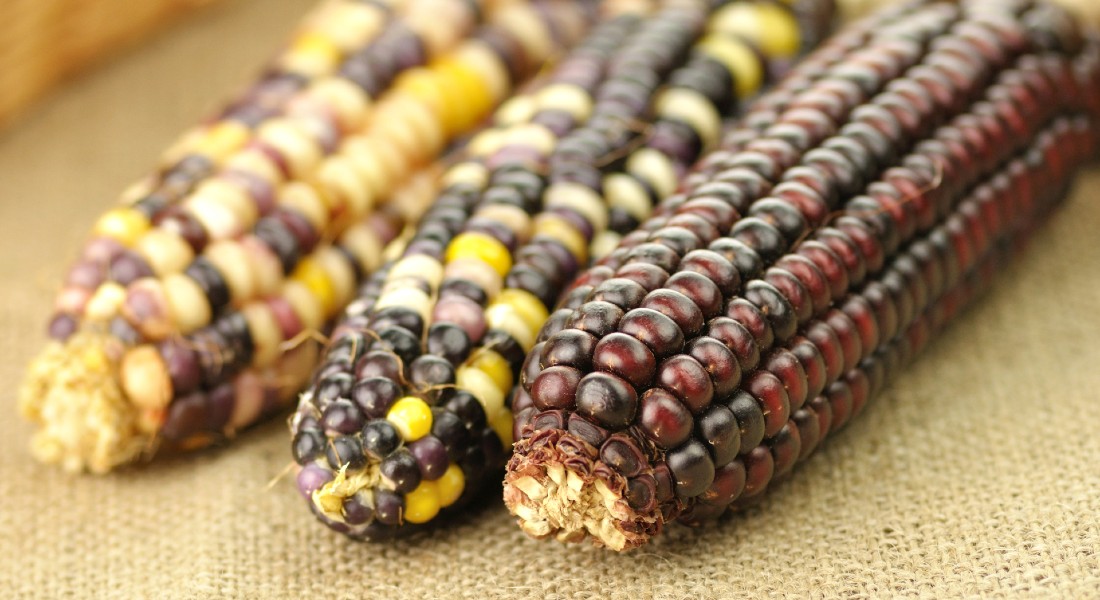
558, 488
100, 432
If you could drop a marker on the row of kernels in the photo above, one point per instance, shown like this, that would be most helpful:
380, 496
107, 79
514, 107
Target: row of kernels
460, 252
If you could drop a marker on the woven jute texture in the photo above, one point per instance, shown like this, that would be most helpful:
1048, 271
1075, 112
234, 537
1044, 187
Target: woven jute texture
976, 474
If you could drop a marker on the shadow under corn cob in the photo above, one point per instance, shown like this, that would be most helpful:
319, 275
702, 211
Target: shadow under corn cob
409, 410
179, 324
877, 199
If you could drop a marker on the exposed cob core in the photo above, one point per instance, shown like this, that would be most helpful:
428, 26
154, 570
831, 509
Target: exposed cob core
878, 189
181, 323
409, 410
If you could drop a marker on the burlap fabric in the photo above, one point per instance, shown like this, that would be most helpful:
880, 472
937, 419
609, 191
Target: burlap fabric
975, 475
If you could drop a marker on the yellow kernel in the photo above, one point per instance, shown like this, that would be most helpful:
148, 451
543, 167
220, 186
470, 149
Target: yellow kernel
481, 386
423, 503
450, 485
222, 139
481, 247
411, 417
339, 273
424, 86
126, 225
527, 306
313, 52
468, 96
563, 232
501, 423
773, 29
313, 277
495, 366
741, 61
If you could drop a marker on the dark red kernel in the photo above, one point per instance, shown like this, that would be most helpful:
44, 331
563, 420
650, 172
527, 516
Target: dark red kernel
607, 399
627, 357
664, 419
769, 391
686, 379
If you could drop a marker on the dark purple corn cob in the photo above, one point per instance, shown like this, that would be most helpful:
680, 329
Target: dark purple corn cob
409, 411
800, 267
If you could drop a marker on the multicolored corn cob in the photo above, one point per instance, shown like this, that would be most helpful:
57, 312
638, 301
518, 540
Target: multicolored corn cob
854, 213
181, 323
409, 410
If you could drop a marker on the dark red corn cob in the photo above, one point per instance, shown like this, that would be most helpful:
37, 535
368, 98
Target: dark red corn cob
870, 219
407, 415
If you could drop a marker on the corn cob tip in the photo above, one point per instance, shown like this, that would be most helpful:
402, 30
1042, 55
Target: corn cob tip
100, 431
558, 487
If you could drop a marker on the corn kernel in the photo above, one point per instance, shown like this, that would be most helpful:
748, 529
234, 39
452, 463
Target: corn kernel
770, 27
412, 418
563, 232
314, 278
126, 225
481, 386
501, 422
451, 485
527, 306
495, 366
483, 248
222, 139
423, 503
739, 59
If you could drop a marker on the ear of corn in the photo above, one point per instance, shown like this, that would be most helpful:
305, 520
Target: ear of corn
852, 215
409, 411
184, 318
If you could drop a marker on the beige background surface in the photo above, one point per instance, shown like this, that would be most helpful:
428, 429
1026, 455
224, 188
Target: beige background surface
975, 475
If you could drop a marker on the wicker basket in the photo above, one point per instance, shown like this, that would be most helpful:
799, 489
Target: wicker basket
43, 41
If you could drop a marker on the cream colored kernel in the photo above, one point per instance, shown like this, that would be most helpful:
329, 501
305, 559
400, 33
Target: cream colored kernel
480, 384
603, 243
254, 162
487, 142
406, 297
187, 303
293, 141
692, 108
348, 25
344, 187
418, 266
580, 198
145, 379
346, 100
626, 192
165, 251
304, 199
568, 97
339, 273
232, 262
506, 319
481, 274
654, 167
362, 156
361, 241
218, 220
513, 217
232, 196
427, 129
265, 333
248, 400
468, 172
518, 109
267, 269
305, 304
105, 302
534, 136
528, 28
